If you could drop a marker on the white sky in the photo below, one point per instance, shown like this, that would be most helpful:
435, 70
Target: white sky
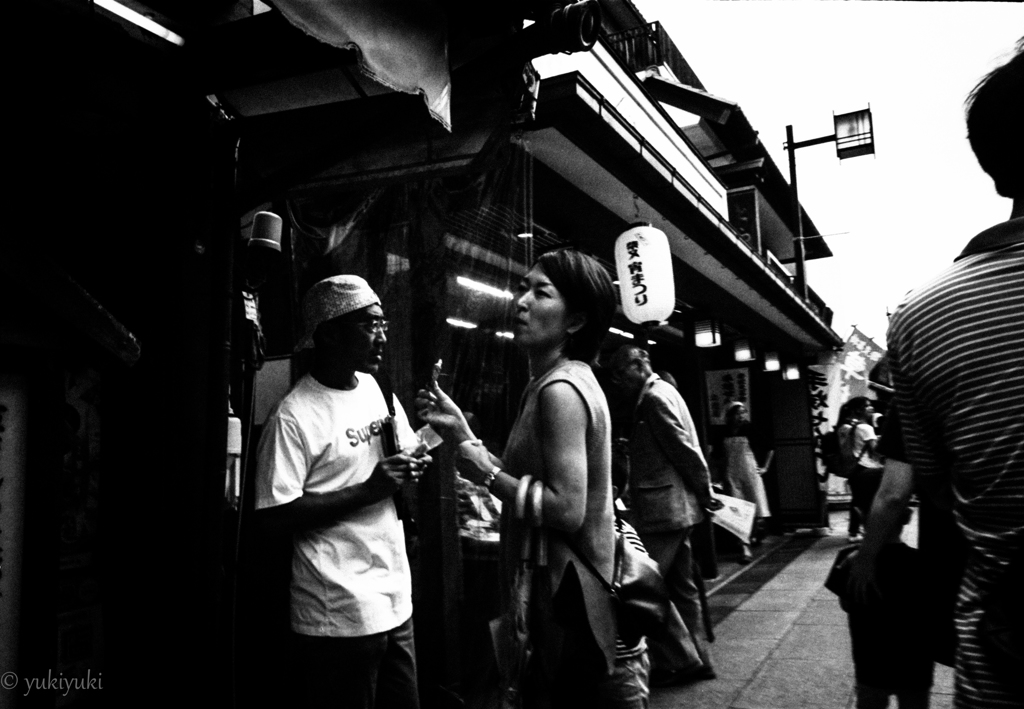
911, 207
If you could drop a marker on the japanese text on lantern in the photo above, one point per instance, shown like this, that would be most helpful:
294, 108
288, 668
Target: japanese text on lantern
636, 273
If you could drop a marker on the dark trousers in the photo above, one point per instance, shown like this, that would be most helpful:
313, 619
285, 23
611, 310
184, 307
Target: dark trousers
674, 555
854, 525
366, 672
864, 483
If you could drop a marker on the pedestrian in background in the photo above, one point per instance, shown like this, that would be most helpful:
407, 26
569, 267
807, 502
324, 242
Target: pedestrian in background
669, 491
889, 632
857, 444
741, 471
878, 580
892, 594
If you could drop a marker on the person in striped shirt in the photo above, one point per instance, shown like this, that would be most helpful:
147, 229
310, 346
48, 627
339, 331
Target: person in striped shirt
957, 349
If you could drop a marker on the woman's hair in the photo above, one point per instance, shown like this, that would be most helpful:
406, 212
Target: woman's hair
586, 288
855, 406
731, 410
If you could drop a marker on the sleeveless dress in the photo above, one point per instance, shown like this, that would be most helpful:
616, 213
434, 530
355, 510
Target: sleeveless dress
595, 538
741, 472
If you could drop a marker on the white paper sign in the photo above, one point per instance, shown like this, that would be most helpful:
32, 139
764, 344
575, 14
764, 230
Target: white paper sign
736, 516
724, 386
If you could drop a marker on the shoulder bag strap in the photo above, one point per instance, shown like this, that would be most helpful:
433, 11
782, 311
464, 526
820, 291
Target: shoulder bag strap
389, 437
384, 382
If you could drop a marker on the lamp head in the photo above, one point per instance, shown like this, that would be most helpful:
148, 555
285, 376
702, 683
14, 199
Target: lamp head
263, 249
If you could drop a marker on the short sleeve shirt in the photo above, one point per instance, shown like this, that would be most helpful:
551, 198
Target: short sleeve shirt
351, 578
957, 349
863, 434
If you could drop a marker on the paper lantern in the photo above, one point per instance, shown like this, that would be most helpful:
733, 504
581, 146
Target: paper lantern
742, 350
643, 263
791, 372
706, 334
771, 362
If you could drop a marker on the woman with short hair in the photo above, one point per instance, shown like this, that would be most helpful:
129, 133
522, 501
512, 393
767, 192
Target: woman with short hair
554, 480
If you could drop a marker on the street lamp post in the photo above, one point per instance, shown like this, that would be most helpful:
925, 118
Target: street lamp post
853, 136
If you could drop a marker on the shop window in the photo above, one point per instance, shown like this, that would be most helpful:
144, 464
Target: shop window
445, 256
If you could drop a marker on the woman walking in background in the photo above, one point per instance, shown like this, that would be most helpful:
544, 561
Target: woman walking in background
857, 442
740, 470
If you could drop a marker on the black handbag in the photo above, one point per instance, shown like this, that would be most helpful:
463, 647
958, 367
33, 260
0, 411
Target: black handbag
637, 588
839, 574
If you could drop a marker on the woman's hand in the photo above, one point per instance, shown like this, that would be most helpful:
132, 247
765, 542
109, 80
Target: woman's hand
436, 408
473, 461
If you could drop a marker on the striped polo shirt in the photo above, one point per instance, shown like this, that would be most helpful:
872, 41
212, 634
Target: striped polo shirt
957, 349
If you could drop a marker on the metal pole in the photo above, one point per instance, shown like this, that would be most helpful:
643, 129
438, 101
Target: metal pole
798, 237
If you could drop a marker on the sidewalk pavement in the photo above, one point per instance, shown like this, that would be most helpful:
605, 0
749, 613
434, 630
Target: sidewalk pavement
785, 645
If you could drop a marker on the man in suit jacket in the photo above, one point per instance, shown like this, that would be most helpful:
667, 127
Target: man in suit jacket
668, 492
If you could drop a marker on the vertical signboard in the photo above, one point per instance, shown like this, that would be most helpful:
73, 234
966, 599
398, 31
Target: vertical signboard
726, 386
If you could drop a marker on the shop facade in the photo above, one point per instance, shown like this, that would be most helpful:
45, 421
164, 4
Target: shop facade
126, 339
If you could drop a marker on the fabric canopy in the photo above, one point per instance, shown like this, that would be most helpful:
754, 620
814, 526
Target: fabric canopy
401, 43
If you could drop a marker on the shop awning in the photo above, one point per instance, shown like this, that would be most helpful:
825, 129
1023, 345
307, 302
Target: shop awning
586, 140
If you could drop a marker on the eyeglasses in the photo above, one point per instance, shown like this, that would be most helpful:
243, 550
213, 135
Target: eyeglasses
374, 326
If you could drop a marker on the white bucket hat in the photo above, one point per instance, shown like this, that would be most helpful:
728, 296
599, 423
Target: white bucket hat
331, 297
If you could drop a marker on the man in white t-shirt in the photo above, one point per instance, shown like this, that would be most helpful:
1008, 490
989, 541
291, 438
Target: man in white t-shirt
323, 473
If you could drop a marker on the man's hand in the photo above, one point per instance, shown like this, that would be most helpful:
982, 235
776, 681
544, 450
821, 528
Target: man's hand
713, 504
862, 584
391, 473
383, 482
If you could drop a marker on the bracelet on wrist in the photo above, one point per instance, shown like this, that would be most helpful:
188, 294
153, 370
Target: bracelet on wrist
537, 503
488, 481
524, 487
